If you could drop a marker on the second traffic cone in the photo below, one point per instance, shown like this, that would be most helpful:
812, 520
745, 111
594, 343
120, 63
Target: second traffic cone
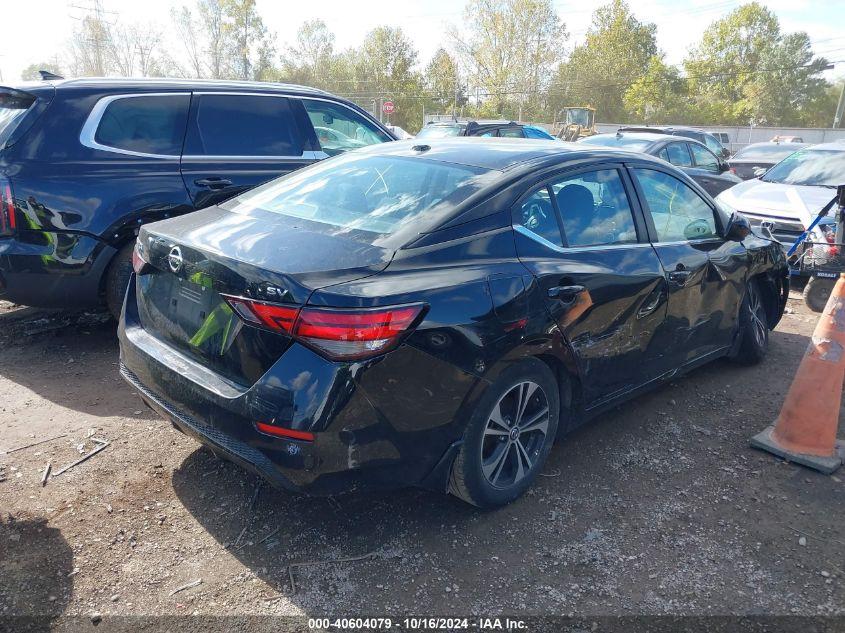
805, 431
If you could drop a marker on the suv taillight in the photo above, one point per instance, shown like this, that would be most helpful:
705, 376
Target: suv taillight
336, 333
8, 222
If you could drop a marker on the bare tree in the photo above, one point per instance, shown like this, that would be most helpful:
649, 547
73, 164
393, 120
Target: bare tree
187, 28
213, 18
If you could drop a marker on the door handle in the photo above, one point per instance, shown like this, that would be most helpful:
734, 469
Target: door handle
679, 277
565, 294
213, 183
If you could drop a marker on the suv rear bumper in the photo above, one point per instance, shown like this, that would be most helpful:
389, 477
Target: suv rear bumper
53, 270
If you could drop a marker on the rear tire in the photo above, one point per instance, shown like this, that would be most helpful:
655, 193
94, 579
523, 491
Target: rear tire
754, 326
817, 292
508, 437
117, 279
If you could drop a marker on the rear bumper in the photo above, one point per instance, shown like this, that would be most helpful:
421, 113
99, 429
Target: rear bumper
53, 270
360, 443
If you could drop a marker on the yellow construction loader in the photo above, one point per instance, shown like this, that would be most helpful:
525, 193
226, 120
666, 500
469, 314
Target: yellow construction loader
575, 122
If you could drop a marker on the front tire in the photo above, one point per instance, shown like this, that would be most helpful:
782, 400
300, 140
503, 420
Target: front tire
117, 279
508, 437
754, 326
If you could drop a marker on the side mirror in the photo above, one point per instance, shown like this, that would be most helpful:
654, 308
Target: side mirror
726, 153
723, 166
738, 227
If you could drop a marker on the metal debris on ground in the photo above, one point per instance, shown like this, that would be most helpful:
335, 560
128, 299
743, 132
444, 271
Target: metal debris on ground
190, 585
20, 448
46, 474
101, 444
309, 563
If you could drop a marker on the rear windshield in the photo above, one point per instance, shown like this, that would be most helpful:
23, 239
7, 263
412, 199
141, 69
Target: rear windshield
818, 167
377, 194
439, 131
772, 153
12, 109
611, 140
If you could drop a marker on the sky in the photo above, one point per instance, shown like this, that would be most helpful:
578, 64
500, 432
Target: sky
37, 30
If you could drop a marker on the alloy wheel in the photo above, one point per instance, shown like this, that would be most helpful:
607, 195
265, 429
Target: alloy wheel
515, 435
758, 315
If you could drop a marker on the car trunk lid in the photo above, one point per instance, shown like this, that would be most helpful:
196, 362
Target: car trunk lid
268, 257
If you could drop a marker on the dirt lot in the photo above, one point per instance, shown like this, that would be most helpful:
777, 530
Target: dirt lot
657, 507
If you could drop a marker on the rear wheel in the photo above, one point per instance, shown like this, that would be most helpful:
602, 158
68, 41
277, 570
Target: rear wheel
117, 279
817, 292
508, 437
754, 326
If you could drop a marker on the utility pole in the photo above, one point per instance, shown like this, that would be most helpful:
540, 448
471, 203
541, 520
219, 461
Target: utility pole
94, 28
840, 108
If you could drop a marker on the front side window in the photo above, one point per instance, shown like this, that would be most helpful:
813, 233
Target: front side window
378, 194
537, 214
594, 209
677, 211
340, 129
704, 158
243, 125
149, 124
712, 144
679, 154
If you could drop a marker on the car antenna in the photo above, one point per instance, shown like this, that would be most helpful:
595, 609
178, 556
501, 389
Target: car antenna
421, 148
46, 75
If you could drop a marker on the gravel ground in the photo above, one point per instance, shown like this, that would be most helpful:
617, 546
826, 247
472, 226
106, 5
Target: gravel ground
657, 507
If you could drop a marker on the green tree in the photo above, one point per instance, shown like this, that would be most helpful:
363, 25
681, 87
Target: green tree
659, 95
745, 69
617, 49
249, 44
311, 58
443, 83
510, 48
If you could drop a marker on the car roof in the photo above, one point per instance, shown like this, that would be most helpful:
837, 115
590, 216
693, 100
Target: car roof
143, 83
635, 134
838, 146
775, 145
663, 129
503, 154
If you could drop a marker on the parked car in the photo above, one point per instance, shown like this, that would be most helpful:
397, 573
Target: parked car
754, 160
789, 196
84, 163
433, 314
482, 128
722, 137
705, 138
399, 133
787, 139
698, 162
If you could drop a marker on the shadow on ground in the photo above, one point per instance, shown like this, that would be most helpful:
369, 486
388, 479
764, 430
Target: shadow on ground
35, 580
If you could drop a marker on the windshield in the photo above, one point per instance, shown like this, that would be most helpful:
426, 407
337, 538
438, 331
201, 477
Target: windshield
578, 116
820, 167
773, 153
612, 140
439, 131
379, 194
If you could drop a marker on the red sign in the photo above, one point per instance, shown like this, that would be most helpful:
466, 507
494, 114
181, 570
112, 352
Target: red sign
387, 107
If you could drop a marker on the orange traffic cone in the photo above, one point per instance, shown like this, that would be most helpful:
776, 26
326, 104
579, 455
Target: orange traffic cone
805, 431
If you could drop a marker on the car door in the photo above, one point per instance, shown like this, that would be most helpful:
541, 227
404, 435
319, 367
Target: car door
236, 141
584, 241
705, 273
708, 171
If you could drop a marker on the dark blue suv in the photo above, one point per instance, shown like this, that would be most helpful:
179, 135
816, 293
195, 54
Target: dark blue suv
84, 163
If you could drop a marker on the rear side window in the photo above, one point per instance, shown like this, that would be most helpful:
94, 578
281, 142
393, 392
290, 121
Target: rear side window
679, 155
511, 132
594, 209
147, 124
242, 125
677, 211
340, 129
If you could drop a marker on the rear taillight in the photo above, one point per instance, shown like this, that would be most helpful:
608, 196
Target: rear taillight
732, 170
339, 334
8, 221
139, 258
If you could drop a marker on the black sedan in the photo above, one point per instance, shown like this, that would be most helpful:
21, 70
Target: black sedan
754, 160
692, 157
435, 314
